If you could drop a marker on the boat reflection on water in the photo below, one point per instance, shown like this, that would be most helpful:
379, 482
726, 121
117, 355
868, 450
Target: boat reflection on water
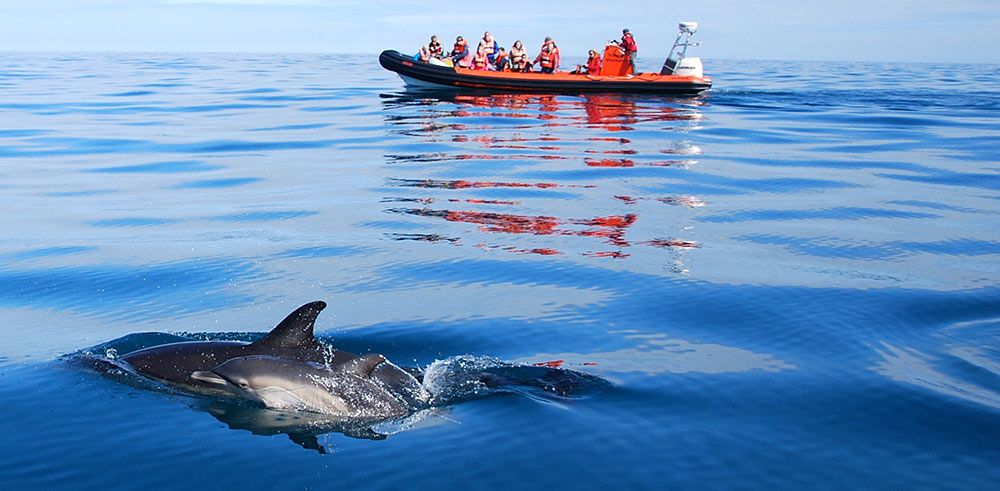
543, 171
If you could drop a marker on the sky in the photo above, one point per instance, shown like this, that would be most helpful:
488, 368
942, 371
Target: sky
843, 30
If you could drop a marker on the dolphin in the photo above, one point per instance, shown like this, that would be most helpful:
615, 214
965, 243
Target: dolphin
292, 339
366, 387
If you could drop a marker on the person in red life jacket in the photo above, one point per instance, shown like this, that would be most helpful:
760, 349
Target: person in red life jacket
593, 66
548, 58
460, 50
501, 62
489, 46
480, 61
628, 44
594, 63
435, 48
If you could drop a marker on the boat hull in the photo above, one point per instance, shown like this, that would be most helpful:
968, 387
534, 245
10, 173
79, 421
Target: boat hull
425, 75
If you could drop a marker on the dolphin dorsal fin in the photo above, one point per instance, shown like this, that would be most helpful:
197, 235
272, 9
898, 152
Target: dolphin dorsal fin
296, 331
362, 366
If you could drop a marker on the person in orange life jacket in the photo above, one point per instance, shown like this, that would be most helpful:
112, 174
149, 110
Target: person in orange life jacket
435, 48
593, 66
480, 61
489, 46
548, 58
628, 44
502, 61
460, 50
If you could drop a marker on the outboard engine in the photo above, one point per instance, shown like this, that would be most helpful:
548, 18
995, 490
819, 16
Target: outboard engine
677, 63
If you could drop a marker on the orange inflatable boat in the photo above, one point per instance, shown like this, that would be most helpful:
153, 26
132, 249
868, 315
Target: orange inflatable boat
680, 75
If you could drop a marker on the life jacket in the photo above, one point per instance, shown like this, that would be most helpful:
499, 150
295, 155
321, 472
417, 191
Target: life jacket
466, 61
545, 58
479, 62
594, 65
435, 48
502, 62
460, 47
628, 42
488, 48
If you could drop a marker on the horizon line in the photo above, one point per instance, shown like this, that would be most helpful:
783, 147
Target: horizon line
375, 53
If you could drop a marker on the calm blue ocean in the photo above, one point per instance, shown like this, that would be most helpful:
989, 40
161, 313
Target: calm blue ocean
791, 281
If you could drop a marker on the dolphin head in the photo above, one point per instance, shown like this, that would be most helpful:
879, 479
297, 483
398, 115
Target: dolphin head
286, 384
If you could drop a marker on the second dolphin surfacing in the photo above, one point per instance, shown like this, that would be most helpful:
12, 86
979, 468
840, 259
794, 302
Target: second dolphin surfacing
367, 387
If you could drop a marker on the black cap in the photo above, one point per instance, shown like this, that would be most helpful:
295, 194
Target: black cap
624, 30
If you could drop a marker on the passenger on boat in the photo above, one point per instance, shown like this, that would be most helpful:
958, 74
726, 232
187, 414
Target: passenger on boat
501, 62
516, 65
628, 44
548, 58
423, 55
526, 64
460, 50
593, 66
517, 50
520, 64
435, 48
489, 46
480, 61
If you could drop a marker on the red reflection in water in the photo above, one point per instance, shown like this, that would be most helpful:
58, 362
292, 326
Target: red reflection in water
632, 163
623, 141
473, 201
440, 157
611, 113
463, 184
610, 254
620, 151
484, 201
610, 228
593, 119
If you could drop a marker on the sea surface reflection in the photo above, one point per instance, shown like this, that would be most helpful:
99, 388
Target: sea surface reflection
515, 134
791, 280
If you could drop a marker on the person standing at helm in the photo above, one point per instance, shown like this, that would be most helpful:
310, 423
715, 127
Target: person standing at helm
489, 46
628, 44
